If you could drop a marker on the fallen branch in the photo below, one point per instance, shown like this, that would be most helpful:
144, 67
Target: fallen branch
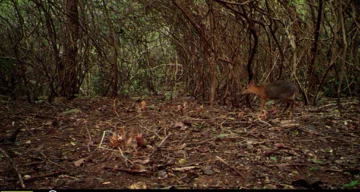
14, 166
134, 171
44, 175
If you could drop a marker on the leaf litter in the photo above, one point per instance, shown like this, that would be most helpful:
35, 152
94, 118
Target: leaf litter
181, 144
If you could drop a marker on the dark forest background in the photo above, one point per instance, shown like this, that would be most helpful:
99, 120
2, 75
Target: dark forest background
208, 49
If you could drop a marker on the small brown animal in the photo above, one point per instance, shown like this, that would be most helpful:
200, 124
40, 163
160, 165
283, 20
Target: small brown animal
278, 90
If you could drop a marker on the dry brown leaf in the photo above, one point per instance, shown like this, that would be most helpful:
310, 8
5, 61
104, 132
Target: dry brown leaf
279, 145
79, 162
241, 114
131, 137
122, 132
121, 140
181, 146
143, 162
162, 175
143, 105
137, 168
140, 141
138, 185
183, 125
122, 143
199, 109
179, 124
185, 105
114, 140
180, 109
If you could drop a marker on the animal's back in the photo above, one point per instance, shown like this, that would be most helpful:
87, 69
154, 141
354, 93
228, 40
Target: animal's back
282, 90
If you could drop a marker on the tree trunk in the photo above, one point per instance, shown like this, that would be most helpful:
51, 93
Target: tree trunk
342, 67
113, 42
67, 68
314, 49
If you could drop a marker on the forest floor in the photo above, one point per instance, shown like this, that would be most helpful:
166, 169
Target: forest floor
179, 144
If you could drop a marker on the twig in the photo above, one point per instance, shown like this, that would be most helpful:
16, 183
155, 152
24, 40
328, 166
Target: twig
159, 145
205, 141
151, 131
221, 127
183, 139
163, 140
133, 171
117, 114
43, 175
87, 130
28, 129
14, 166
286, 164
126, 159
102, 138
264, 121
237, 171
49, 159
327, 105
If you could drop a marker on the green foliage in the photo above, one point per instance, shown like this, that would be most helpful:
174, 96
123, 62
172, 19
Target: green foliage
152, 35
7, 9
352, 183
314, 168
300, 6
98, 84
316, 161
